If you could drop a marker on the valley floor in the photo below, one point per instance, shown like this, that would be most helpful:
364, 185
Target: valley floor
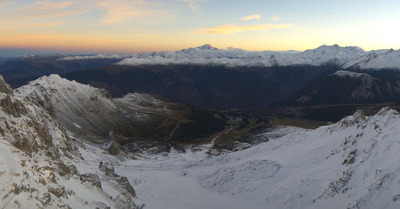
351, 164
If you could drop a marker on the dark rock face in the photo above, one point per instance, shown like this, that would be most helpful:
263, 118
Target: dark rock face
15, 108
355, 88
91, 179
215, 87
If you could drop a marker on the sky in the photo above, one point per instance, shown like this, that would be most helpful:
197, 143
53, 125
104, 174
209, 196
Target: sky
128, 26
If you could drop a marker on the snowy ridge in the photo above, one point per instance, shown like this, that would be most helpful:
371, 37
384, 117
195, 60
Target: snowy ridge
98, 56
346, 57
83, 110
207, 55
65, 99
350, 164
343, 73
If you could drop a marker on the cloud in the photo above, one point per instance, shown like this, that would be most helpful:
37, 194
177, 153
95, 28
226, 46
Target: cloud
16, 27
118, 11
251, 17
44, 9
275, 18
51, 5
194, 6
230, 29
111, 12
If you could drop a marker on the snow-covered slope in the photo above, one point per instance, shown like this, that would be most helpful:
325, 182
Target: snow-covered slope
84, 110
41, 166
350, 164
387, 60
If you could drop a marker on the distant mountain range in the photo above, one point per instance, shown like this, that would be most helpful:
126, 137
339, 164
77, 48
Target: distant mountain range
344, 57
231, 78
4, 59
19, 71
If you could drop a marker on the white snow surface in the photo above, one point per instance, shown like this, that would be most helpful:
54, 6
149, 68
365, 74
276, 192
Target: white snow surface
351, 164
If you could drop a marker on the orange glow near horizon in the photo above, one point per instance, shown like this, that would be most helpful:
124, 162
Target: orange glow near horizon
128, 26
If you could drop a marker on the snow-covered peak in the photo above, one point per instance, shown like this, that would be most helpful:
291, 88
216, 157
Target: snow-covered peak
206, 47
336, 48
200, 49
75, 105
58, 85
330, 54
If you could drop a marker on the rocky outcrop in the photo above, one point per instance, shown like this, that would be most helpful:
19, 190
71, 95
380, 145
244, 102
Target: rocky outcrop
122, 181
4, 87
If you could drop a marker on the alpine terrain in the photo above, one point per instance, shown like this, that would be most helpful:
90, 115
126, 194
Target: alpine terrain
202, 128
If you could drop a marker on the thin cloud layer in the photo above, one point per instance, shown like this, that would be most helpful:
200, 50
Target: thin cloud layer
230, 29
50, 5
112, 12
118, 11
44, 9
275, 18
251, 17
194, 6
